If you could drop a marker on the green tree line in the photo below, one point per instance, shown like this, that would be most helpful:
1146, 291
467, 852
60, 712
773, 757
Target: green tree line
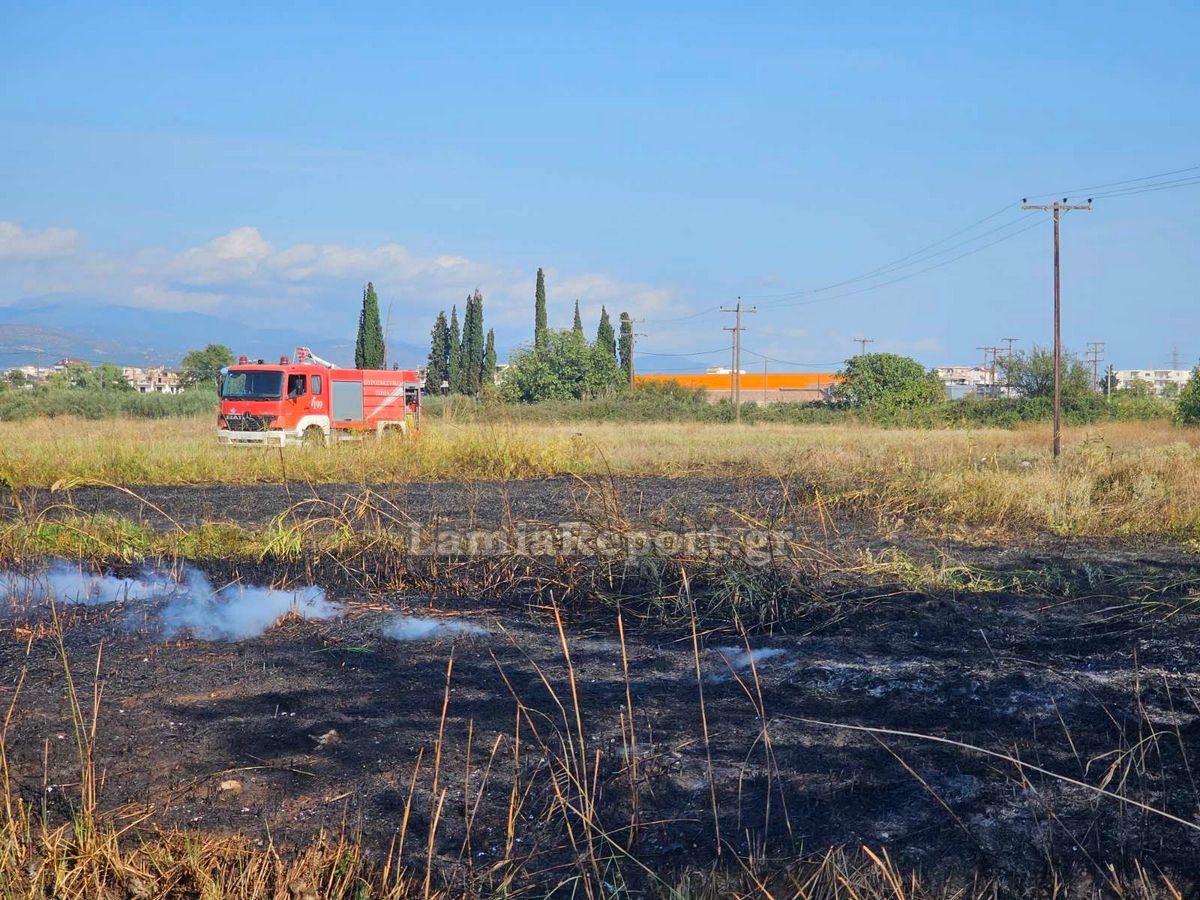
554, 365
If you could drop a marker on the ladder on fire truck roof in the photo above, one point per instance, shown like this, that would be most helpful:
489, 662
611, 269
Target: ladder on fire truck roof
303, 354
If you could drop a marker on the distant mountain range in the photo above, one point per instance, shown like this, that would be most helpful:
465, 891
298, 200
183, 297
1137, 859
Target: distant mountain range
33, 333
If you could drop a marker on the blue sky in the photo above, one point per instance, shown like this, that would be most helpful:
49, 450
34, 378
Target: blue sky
662, 158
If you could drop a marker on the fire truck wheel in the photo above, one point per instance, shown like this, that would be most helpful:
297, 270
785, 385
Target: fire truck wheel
314, 436
392, 432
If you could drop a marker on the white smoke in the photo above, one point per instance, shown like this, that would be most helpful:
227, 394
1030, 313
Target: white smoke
419, 628
73, 585
739, 659
237, 612
191, 606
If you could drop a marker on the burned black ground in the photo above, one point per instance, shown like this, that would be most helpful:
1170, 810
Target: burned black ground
1095, 683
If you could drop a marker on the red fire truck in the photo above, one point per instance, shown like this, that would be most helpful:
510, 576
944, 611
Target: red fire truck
310, 401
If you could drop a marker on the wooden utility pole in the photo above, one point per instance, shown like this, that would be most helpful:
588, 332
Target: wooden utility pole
1057, 208
1008, 355
989, 366
995, 356
862, 342
1095, 354
633, 336
735, 376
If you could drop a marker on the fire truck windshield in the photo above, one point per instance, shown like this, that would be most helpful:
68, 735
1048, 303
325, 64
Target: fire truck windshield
252, 385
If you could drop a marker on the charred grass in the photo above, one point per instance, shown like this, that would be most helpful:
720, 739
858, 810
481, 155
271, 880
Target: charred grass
641, 797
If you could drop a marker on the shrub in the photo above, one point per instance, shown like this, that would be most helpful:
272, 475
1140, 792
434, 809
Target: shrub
28, 403
1187, 407
887, 381
562, 367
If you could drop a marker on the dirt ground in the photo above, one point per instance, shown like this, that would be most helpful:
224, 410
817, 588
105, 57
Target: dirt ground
320, 723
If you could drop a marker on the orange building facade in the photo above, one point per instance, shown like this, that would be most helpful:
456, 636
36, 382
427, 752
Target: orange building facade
773, 387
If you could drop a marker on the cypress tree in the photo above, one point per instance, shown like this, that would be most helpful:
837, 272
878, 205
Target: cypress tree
606, 338
489, 359
454, 364
479, 354
471, 366
539, 311
627, 347
368, 347
577, 327
437, 369
463, 386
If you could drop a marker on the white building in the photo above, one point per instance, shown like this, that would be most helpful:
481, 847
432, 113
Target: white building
33, 373
152, 380
962, 381
1159, 379
27, 375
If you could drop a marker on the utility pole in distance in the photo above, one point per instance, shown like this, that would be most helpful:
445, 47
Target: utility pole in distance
995, 358
735, 376
1095, 354
1057, 208
862, 342
633, 336
989, 366
1008, 356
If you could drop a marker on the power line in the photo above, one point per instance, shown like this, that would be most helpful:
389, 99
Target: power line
1149, 189
915, 258
1096, 187
876, 287
696, 353
792, 362
703, 312
898, 264
920, 259
1123, 188
886, 266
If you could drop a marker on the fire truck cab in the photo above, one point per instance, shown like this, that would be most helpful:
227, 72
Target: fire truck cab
310, 401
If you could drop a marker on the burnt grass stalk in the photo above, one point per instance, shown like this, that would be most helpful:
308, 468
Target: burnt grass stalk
562, 818
758, 573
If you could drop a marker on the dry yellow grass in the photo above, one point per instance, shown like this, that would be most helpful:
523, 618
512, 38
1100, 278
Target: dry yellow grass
1116, 478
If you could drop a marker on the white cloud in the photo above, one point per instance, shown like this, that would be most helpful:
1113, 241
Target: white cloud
231, 257
388, 261
244, 275
18, 244
593, 289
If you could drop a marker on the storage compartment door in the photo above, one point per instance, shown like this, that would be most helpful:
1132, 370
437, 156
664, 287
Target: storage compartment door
347, 401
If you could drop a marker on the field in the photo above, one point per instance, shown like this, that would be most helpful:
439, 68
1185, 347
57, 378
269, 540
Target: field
600, 660
1116, 479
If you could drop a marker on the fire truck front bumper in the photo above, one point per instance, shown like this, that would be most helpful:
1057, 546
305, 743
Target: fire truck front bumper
277, 438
